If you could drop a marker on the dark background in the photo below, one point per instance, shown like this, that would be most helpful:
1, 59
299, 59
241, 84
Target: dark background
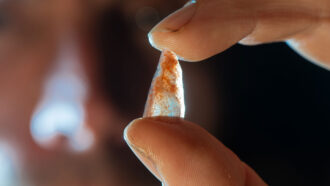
276, 115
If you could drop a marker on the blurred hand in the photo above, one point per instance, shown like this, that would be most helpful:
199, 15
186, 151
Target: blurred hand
180, 153
202, 29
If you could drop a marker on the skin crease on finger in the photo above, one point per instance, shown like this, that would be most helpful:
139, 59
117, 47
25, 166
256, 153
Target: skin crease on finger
182, 153
216, 25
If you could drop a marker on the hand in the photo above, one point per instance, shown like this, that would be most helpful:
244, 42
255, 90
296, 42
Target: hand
207, 27
180, 153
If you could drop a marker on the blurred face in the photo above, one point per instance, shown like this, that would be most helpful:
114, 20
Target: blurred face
73, 73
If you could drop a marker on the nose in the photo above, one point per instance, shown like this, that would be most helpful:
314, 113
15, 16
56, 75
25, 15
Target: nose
61, 112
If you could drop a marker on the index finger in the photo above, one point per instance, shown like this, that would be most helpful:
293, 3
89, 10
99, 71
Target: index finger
207, 27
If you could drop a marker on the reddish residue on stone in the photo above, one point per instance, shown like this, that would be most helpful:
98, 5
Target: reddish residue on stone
163, 84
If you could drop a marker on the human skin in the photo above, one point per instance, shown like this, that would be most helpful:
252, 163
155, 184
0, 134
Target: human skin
208, 27
179, 152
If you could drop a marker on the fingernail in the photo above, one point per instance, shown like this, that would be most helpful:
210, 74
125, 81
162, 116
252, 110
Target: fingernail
178, 19
144, 156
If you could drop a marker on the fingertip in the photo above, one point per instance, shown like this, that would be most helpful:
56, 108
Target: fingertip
139, 149
211, 28
152, 40
174, 150
139, 131
175, 42
165, 40
166, 34
129, 130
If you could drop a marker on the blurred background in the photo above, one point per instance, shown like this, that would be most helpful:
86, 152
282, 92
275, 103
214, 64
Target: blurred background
74, 73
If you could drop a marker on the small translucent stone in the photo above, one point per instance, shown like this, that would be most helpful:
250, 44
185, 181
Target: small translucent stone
166, 92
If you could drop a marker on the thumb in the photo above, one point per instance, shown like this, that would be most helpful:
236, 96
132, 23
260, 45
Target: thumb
181, 153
